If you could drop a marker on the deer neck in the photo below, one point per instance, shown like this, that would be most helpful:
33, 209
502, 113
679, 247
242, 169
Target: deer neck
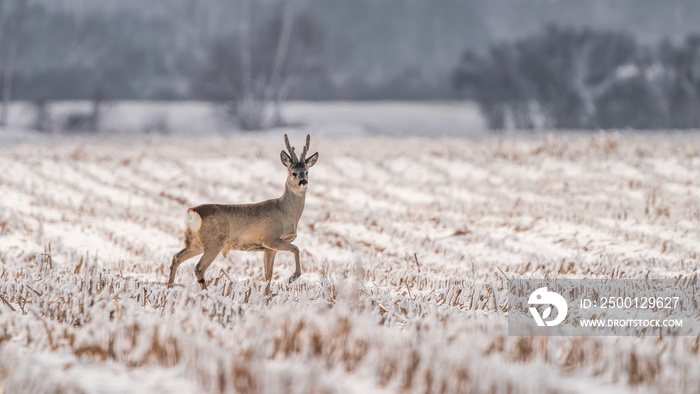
293, 202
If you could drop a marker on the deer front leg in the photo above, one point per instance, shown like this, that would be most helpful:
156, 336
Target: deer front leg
280, 245
269, 265
204, 263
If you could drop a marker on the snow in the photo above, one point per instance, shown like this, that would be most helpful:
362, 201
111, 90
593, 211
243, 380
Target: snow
407, 245
322, 119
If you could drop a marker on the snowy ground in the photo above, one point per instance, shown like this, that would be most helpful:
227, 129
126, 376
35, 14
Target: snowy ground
407, 246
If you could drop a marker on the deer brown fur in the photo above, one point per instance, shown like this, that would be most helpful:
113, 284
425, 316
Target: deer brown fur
269, 226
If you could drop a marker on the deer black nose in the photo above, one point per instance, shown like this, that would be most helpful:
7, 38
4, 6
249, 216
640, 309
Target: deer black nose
302, 182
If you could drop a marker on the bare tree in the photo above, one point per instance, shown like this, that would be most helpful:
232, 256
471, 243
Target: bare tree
86, 51
253, 73
278, 89
10, 30
556, 79
249, 108
259, 90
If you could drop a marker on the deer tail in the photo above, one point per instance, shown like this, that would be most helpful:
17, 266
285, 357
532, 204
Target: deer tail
193, 221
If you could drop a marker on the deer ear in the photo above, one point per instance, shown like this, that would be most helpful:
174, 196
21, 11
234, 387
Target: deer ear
311, 160
286, 160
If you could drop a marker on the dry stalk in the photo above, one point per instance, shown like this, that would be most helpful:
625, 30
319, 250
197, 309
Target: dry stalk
408, 288
35, 292
506, 276
91, 350
76, 271
4, 301
415, 257
48, 331
385, 309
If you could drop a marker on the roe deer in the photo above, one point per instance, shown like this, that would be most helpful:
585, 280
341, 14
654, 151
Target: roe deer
269, 226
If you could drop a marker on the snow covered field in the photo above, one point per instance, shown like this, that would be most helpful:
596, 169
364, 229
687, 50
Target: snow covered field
407, 248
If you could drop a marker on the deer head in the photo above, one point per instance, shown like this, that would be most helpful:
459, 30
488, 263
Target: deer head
298, 167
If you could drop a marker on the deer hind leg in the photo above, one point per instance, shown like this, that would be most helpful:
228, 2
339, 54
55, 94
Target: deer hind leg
204, 263
185, 254
280, 245
269, 264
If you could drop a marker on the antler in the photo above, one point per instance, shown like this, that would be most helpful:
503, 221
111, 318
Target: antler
306, 148
290, 149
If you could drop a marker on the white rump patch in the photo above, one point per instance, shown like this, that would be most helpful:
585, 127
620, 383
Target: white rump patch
193, 220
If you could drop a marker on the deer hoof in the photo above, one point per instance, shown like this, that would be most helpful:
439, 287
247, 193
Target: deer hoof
293, 277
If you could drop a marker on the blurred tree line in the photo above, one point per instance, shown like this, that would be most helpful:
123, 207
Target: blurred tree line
248, 56
248, 62
578, 78
159, 50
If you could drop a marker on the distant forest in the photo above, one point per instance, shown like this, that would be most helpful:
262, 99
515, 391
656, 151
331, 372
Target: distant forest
345, 49
579, 78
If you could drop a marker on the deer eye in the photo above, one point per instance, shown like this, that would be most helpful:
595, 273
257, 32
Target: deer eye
294, 174
307, 173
